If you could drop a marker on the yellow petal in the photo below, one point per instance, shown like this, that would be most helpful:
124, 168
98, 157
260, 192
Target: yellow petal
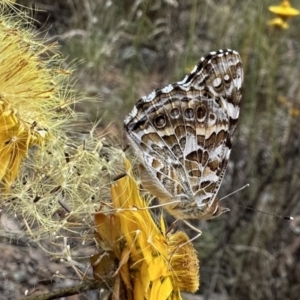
279, 23
4, 162
158, 268
154, 291
145, 248
144, 275
138, 288
162, 224
108, 228
165, 289
14, 165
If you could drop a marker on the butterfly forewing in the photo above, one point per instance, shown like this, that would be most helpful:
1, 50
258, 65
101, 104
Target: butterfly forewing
183, 135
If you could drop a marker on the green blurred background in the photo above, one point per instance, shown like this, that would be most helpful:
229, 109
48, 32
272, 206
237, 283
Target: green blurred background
125, 49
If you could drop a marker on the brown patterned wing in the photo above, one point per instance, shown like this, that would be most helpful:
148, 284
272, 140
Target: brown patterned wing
183, 134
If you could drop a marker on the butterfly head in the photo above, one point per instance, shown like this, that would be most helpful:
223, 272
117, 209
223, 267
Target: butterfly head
214, 210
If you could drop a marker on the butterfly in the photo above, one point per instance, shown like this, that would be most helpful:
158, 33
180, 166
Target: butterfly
182, 135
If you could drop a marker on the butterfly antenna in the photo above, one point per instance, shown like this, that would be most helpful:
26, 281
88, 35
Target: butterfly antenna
253, 209
243, 187
266, 213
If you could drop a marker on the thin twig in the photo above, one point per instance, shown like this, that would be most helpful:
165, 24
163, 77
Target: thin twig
74, 290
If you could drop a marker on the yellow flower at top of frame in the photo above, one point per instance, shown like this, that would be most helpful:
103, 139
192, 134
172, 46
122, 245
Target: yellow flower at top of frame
284, 10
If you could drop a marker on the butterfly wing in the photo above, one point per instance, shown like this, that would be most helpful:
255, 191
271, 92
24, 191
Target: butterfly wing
184, 131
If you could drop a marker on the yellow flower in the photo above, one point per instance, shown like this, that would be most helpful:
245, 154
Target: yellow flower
153, 264
284, 10
16, 136
31, 93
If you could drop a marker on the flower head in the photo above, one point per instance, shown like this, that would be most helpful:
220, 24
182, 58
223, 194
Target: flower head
31, 91
284, 11
153, 264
